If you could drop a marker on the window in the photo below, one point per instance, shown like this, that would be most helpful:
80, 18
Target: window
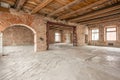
57, 37
95, 34
111, 34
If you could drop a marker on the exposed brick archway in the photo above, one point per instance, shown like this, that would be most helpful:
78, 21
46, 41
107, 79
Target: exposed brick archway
32, 22
28, 27
8, 20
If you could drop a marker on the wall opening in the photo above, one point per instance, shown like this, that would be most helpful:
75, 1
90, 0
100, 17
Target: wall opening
111, 33
59, 35
19, 36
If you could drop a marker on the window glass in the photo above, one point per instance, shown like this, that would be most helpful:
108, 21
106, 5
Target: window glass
95, 34
57, 37
111, 29
111, 34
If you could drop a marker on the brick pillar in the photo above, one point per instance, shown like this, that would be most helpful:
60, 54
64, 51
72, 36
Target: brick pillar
41, 36
101, 35
80, 35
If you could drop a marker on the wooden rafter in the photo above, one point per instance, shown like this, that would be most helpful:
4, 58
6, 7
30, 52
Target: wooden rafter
65, 7
11, 2
61, 2
4, 9
104, 19
41, 5
19, 4
100, 22
101, 15
60, 28
96, 13
82, 9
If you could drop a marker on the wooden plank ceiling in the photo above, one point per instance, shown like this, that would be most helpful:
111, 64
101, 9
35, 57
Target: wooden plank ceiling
78, 11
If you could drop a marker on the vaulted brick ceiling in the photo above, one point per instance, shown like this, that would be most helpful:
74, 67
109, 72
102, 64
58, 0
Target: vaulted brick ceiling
78, 11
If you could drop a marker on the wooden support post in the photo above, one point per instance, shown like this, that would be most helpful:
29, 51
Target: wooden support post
74, 37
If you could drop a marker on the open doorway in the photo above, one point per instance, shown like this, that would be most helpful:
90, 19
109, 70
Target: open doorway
18, 38
57, 37
60, 35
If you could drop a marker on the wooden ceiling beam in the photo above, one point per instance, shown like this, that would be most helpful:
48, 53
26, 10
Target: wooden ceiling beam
101, 22
11, 2
105, 19
96, 13
4, 9
41, 5
82, 9
101, 15
61, 2
19, 4
61, 28
116, 16
65, 7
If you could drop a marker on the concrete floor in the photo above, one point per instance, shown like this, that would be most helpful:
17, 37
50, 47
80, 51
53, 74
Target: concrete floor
61, 62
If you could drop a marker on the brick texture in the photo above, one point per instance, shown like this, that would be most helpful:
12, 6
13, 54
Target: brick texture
18, 35
34, 22
102, 34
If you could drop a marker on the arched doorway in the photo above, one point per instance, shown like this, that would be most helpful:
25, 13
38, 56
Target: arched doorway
19, 35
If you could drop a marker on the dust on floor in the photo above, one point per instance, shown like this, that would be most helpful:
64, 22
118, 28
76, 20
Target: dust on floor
62, 63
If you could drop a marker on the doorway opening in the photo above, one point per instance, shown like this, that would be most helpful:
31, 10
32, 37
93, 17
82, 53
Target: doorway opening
57, 37
60, 35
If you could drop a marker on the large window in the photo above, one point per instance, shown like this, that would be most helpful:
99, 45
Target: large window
57, 37
95, 34
111, 34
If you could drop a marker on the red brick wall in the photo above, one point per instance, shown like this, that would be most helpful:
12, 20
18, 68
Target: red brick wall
34, 22
51, 36
18, 35
102, 34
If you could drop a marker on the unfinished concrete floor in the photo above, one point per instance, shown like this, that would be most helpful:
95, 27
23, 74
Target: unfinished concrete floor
62, 63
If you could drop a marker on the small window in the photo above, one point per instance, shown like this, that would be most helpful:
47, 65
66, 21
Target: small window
111, 34
57, 37
95, 34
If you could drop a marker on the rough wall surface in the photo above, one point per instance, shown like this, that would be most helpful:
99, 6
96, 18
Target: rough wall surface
51, 36
80, 35
18, 35
102, 34
63, 35
35, 23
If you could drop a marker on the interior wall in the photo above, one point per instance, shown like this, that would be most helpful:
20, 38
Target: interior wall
51, 36
67, 33
18, 35
34, 22
81, 32
102, 35
63, 36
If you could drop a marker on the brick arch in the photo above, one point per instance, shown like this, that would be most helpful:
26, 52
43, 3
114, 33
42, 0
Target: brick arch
23, 25
33, 22
7, 20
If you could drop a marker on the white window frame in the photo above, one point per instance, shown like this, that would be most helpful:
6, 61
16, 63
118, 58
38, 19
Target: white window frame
111, 32
93, 36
